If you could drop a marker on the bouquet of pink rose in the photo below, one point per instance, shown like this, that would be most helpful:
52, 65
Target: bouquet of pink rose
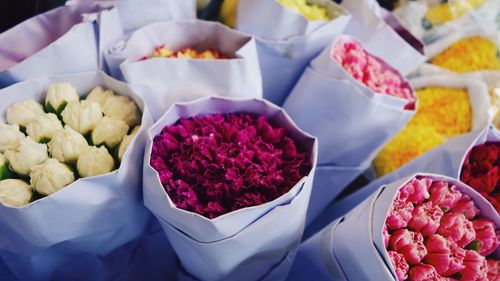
425, 227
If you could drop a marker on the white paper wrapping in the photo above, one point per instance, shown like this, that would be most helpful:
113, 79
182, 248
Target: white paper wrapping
374, 33
92, 216
362, 227
164, 81
286, 42
206, 247
68, 39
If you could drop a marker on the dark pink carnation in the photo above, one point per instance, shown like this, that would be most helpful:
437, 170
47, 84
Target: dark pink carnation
487, 237
416, 190
476, 267
399, 264
424, 272
444, 255
216, 164
443, 195
425, 219
399, 214
493, 269
466, 206
409, 244
458, 228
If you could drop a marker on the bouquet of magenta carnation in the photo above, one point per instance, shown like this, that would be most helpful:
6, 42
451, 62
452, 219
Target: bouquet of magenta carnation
224, 176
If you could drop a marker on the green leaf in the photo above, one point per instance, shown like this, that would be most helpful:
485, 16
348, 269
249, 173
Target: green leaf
5, 173
426, 24
474, 245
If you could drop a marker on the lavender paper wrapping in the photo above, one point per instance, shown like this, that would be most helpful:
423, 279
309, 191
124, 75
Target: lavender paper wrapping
252, 236
352, 123
374, 33
65, 40
362, 227
164, 81
64, 235
287, 41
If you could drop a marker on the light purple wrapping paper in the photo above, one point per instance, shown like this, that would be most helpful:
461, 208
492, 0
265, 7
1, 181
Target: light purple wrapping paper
60, 41
355, 244
63, 235
207, 248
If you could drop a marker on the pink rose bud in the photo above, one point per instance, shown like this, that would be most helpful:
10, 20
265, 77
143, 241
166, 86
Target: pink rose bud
386, 235
445, 255
424, 272
417, 190
399, 214
409, 244
476, 267
399, 264
466, 206
426, 218
458, 228
443, 196
487, 237
493, 269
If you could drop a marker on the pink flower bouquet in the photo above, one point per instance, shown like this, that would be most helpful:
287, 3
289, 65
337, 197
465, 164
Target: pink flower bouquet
224, 174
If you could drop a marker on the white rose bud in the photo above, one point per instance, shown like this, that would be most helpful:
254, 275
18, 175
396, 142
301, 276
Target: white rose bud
82, 116
126, 142
25, 155
122, 108
4, 168
15, 193
67, 145
24, 112
51, 176
109, 132
58, 96
10, 136
95, 161
99, 95
43, 128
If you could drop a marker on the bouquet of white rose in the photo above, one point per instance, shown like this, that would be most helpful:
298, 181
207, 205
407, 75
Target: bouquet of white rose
69, 181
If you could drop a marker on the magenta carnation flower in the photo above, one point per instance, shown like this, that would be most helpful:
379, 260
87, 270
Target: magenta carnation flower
458, 228
424, 272
425, 219
399, 264
444, 196
399, 214
417, 190
476, 267
466, 206
215, 164
487, 237
409, 244
444, 254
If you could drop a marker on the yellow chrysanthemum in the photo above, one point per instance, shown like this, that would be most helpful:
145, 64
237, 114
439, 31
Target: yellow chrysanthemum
228, 12
410, 143
469, 54
451, 10
309, 11
447, 110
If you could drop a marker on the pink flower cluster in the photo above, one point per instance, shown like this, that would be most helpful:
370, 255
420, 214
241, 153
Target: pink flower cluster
215, 164
482, 172
372, 72
435, 232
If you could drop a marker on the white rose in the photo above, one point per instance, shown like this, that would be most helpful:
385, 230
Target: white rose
59, 95
50, 176
99, 95
23, 112
25, 155
126, 142
95, 161
43, 128
67, 145
109, 132
122, 108
4, 168
15, 193
10, 136
82, 116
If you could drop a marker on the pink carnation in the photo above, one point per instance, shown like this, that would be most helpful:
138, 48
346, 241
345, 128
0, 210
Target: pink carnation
466, 206
399, 214
409, 244
215, 164
493, 269
444, 254
417, 190
424, 272
372, 72
444, 196
458, 228
487, 237
386, 235
476, 267
399, 264
425, 219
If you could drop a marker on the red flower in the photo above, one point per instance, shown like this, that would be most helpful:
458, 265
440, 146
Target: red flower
409, 244
425, 219
487, 237
399, 214
476, 268
444, 254
458, 228
481, 169
443, 196
399, 264
215, 164
466, 206
424, 272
